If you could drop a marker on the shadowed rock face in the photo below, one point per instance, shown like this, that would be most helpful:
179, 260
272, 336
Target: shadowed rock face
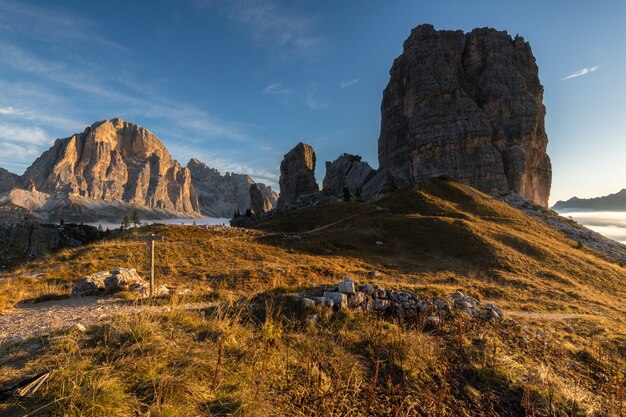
8, 180
297, 174
114, 160
468, 106
222, 195
346, 174
259, 204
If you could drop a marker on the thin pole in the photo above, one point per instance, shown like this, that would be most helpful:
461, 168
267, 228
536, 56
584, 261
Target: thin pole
151, 267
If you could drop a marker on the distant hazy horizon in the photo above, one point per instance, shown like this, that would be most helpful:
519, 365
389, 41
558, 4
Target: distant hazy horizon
611, 224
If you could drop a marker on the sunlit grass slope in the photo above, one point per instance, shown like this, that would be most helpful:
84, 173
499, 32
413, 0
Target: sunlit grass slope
252, 357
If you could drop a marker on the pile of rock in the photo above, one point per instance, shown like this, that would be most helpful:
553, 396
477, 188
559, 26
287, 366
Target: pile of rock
370, 298
121, 279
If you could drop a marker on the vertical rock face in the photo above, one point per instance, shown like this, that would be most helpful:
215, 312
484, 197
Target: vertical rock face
346, 174
114, 160
297, 174
222, 195
259, 204
468, 106
8, 180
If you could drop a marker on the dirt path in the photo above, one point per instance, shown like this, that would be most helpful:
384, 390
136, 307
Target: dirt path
31, 320
550, 316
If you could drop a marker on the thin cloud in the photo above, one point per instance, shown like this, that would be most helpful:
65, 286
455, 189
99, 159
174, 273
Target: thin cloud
346, 84
312, 99
581, 72
277, 88
271, 27
41, 104
23, 134
224, 161
50, 26
147, 103
9, 111
18, 153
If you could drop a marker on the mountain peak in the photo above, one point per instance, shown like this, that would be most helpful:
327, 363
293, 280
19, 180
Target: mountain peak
115, 160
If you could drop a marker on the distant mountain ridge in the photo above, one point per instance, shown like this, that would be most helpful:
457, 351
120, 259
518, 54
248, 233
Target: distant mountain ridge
611, 202
109, 169
222, 195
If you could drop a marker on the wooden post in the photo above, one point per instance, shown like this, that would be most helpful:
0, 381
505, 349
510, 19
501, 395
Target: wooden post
151, 268
150, 241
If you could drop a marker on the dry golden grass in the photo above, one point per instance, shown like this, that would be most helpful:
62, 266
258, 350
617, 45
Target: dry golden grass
241, 360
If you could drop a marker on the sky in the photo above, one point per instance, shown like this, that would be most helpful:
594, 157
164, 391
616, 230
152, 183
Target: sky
237, 83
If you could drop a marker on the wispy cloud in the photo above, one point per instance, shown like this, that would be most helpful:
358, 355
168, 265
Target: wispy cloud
271, 27
55, 84
50, 26
21, 134
313, 101
277, 88
346, 84
581, 72
141, 101
20, 155
225, 161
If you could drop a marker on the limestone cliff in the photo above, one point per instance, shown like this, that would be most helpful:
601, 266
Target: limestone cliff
468, 106
8, 180
297, 174
222, 195
114, 160
346, 175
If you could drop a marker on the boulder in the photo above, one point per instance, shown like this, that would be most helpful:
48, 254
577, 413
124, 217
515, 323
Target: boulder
259, 204
468, 106
493, 312
345, 176
347, 287
465, 303
91, 284
297, 175
122, 279
380, 184
338, 299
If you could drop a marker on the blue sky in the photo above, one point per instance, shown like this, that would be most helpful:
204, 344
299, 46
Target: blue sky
238, 83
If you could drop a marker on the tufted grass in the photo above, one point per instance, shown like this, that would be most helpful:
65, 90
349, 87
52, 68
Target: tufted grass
242, 360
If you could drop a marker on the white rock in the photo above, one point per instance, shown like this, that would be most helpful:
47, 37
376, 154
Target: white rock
339, 299
368, 289
161, 290
308, 303
79, 327
347, 287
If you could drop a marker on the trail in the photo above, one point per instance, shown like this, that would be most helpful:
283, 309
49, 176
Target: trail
325, 226
551, 316
30, 320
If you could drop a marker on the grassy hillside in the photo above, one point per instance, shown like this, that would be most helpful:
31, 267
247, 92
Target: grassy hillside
560, 354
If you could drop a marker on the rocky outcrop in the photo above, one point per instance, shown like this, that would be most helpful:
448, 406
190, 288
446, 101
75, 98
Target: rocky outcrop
8, 180
380, 184
33, 239
297, 175
114, 160
259, 204
120, 279
374, 299
222, 195
346, 175
18, 204
468, 106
